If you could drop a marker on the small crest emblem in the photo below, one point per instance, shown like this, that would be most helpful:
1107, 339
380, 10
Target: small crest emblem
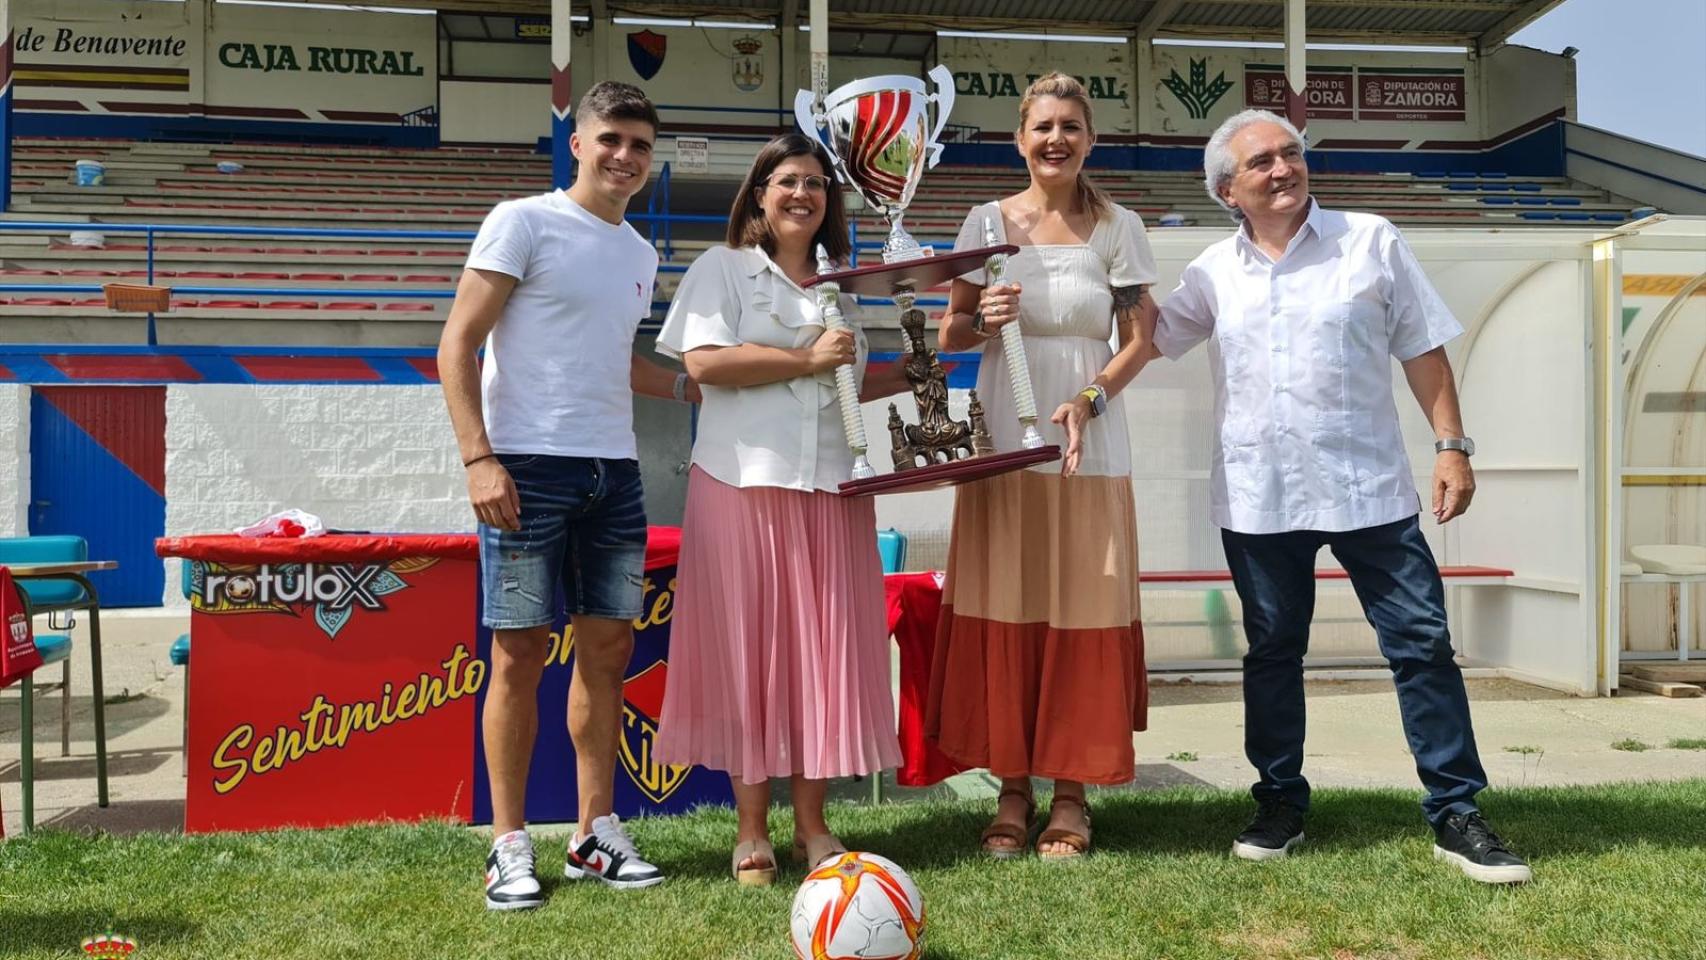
645, 52
642, 702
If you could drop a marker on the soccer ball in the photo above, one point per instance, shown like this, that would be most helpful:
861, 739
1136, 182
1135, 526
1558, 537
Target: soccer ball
858, 906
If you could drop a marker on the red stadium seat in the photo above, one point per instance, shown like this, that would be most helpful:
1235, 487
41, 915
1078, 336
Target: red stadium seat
263, 276
352, 305
427, 278
336, 277
232, 304
409, 307
290, 305
374, 277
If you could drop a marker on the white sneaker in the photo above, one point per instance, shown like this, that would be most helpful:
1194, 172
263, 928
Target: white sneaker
608, 854
510, 881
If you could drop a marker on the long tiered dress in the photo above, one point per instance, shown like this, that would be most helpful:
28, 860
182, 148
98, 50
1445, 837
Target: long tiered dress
1038, 667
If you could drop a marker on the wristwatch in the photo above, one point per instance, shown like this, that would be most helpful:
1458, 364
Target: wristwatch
1098, 397
1455, 443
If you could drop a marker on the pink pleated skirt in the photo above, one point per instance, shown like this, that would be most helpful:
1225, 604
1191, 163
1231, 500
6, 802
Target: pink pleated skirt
779, 656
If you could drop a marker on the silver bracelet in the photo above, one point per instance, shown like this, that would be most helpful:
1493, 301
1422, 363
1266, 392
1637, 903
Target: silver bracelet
680, 389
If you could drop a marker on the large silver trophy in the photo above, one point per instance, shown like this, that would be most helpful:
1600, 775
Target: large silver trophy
880, 140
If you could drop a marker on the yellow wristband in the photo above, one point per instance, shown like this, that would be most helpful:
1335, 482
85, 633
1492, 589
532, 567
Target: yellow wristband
1089, 393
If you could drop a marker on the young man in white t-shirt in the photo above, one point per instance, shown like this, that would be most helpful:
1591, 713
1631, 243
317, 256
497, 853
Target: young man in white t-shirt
555, 287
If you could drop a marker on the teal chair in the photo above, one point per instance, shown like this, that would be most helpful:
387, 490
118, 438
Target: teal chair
63, 597
891, 545
179, 654
54, 648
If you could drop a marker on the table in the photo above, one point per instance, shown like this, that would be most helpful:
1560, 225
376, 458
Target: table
74, 571
340, 679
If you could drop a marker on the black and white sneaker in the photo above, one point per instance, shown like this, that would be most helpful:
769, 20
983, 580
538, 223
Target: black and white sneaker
1276, 828
510, 881
1465, 839
607, 853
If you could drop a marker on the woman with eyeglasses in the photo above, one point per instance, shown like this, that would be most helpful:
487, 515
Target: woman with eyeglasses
779, 662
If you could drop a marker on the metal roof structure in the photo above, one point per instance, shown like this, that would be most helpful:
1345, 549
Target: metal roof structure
1479, 24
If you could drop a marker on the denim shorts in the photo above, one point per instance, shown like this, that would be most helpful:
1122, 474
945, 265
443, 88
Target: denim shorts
583, 525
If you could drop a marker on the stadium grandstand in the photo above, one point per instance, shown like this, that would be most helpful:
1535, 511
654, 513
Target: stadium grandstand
299, 184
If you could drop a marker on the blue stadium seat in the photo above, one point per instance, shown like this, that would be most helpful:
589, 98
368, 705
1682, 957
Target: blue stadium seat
1538, 215
1524, 187
1575, 216
1498, 201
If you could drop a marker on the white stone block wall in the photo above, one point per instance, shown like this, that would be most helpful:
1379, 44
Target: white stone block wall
15, 446
380, 458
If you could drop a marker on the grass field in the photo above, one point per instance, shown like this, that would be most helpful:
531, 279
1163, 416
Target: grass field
1620, 871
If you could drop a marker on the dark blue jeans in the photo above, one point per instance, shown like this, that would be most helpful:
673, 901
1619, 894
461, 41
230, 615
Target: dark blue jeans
1398, 582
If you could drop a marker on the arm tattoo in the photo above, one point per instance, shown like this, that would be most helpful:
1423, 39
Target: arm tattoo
1127, 300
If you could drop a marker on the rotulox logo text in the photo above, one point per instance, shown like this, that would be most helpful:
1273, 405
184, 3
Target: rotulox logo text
332, 592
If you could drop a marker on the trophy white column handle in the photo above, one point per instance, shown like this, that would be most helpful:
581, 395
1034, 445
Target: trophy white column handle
1013, 349
846, 388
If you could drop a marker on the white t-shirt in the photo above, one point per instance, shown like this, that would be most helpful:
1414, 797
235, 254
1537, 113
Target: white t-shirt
556, 373
782, 434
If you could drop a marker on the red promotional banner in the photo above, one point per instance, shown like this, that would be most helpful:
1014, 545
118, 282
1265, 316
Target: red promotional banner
1411, 94
1328, 92
330, 691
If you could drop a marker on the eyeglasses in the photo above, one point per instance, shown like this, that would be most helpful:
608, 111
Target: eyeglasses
790, 182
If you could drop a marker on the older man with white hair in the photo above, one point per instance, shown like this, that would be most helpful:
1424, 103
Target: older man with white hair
1302, 307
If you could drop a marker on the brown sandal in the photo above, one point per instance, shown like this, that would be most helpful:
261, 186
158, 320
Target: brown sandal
1002, 829
814, 850
758, 851
1079, 842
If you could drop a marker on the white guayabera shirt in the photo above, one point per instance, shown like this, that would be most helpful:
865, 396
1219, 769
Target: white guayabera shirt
1306, 428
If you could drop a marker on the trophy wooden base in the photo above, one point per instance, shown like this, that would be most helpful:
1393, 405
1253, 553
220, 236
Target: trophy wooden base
922, 273
949, 474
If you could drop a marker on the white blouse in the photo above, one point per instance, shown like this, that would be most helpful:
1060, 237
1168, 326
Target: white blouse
783, 434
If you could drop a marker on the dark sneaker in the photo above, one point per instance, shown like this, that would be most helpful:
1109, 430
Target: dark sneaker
607, 853
1465, 840
510, 881
1277, 827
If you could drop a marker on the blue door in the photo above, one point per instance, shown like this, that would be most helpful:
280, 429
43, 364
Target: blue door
98, 471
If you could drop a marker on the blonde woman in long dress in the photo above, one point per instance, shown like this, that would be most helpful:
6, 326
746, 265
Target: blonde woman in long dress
1038, 668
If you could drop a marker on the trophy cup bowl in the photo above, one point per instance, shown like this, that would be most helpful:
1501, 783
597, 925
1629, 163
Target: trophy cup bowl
880, 139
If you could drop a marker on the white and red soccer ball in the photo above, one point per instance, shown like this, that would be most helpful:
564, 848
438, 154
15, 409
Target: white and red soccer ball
857, 906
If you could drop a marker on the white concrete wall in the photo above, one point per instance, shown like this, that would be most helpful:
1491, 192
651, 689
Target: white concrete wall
379, 458
1521, 83
15, 446
494, 111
